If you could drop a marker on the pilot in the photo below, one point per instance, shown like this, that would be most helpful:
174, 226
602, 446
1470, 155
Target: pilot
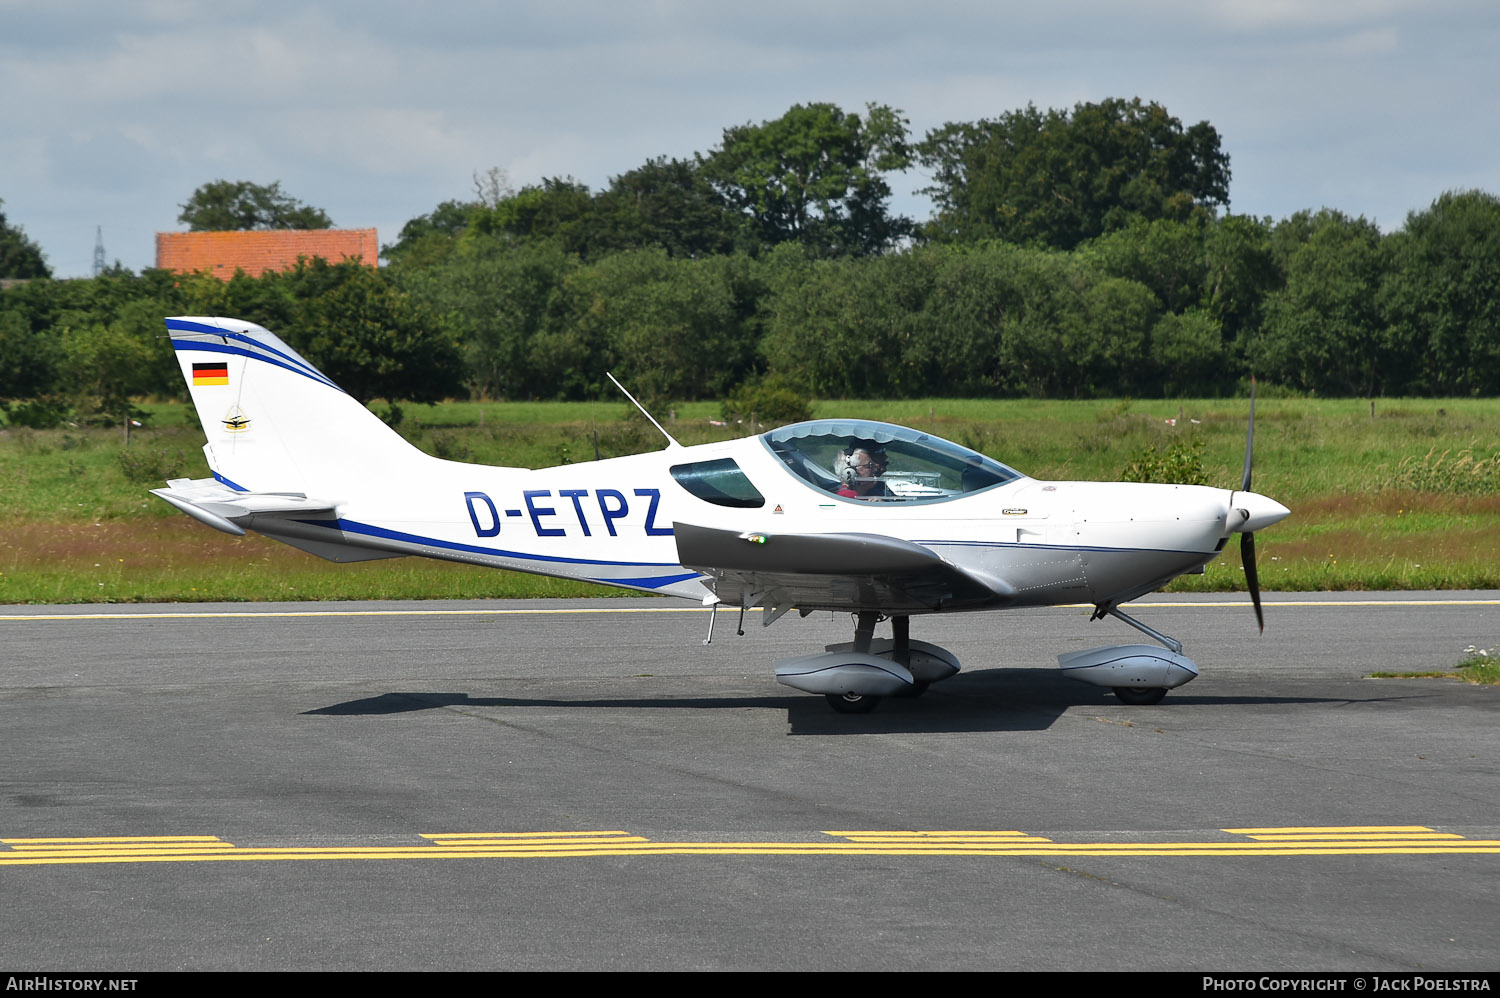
859, 467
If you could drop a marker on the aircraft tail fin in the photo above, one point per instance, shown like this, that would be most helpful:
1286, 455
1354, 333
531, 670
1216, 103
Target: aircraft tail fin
274, 422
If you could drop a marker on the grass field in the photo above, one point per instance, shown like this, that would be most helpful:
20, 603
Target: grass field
1406, 496
1478, 666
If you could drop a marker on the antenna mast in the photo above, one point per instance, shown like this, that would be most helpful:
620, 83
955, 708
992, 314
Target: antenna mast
642, 408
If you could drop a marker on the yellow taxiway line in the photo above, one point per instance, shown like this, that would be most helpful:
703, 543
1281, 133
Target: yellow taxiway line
1364, 840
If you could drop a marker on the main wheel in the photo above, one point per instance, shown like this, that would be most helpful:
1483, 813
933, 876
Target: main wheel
1140, 696
851, 703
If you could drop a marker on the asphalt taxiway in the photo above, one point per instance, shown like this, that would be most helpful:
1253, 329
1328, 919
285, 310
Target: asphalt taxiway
584, 784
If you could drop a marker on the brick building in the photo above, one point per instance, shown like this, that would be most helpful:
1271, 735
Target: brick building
257, 251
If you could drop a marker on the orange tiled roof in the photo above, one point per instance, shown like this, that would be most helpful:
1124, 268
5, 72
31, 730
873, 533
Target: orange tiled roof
255, 252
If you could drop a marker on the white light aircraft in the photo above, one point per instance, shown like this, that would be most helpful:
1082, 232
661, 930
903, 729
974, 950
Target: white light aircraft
850, 515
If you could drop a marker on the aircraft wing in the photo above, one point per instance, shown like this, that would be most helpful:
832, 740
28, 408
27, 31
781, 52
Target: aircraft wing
836, 571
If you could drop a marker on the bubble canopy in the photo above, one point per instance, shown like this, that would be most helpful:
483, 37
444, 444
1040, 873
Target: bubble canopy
899, 464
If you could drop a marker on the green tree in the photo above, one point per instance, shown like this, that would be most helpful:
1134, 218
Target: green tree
668, 204
814, 176
1056, 179
1188, 350
1241, 271
678, 338
1325, 331
1211, 276
956, 342
29, 359
426, 239
349, 320
267, 300
1070, 330
1165, 255
109, 363
494, 295
371, 339
558, 208
40, 317
1119, 315
19, 256
838, 327
1443, 293
668, 328
230, 205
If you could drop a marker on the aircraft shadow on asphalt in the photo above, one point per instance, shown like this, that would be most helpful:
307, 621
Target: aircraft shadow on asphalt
985, 700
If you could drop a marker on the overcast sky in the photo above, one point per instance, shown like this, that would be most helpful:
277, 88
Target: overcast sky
111, 114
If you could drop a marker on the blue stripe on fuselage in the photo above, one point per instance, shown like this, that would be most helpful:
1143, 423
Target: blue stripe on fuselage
370, 530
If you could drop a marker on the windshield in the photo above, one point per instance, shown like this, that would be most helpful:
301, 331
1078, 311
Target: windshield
863, 459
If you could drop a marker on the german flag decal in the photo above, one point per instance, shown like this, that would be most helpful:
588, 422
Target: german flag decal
213, 373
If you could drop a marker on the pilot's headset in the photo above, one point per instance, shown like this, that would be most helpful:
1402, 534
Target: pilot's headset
846, 465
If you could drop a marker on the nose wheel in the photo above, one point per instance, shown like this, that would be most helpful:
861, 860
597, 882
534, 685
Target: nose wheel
852, 703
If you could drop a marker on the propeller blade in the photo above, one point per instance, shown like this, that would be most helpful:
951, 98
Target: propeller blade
1249, 439
1252, 576
1247, 539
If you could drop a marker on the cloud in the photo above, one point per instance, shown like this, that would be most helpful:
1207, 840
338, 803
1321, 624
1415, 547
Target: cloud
377, 111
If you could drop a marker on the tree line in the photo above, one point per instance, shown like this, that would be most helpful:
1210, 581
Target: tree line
1071, 253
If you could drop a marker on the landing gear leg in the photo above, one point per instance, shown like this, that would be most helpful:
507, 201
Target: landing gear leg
864, 631
1113, 611
901, 640
901, 653
1139, 696
858, 703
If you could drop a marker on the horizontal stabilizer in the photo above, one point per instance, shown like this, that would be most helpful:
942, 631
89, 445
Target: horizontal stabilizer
209, 501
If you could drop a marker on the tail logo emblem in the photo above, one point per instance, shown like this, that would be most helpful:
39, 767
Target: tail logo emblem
235, 420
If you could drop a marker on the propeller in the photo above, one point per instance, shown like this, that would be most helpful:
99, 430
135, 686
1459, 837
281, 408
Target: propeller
1247, 539
1248, 512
